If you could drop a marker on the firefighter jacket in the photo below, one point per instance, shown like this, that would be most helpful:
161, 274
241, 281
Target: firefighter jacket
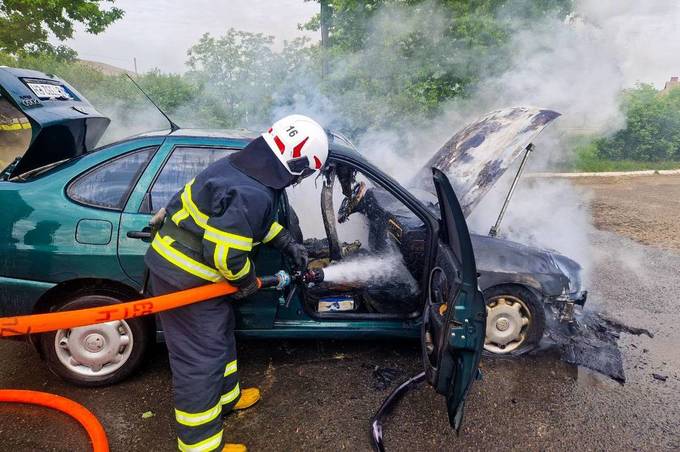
212, 225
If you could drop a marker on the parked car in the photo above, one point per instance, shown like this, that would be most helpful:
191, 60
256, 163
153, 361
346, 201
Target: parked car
75, 229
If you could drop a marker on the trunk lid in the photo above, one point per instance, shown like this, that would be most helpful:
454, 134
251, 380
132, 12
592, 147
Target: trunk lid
63, 123
479, 154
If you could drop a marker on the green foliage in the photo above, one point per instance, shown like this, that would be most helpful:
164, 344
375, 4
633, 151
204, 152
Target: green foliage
587, 160
652, 131
25, 25
405, 58
389, 62
234, 69
239, 75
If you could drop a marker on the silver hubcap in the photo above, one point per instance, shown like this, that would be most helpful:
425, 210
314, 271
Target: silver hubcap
94, 350
507, 323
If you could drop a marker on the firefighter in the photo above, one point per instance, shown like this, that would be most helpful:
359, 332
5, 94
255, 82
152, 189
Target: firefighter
210, 228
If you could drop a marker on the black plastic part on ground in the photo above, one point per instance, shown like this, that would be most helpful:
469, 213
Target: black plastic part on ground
387, 407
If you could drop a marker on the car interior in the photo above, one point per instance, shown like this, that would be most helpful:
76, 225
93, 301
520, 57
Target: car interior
370, 224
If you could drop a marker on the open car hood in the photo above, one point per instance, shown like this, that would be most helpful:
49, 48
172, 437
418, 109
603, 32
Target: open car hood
479, 154
63, 123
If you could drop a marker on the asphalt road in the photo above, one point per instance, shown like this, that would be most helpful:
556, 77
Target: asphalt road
321, 395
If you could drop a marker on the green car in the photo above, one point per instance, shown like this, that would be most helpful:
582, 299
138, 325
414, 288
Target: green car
74, 231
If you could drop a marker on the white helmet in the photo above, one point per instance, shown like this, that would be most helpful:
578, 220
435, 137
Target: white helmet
300, 143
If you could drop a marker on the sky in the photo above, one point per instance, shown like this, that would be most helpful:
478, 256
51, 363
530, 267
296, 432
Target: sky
159, 32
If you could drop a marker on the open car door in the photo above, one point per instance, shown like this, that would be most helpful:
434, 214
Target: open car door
454, 318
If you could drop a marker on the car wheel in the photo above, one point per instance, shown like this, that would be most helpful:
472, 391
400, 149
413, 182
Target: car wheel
96, 355
515, 320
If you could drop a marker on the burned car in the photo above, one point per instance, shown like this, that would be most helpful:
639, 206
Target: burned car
521, 284
75, 231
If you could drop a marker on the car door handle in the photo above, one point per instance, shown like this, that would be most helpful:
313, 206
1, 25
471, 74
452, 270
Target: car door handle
139, 235
144, 234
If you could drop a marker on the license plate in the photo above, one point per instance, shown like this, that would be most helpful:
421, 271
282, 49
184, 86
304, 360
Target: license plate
49, 91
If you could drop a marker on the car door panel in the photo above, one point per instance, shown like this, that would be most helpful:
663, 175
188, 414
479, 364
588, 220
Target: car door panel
454, 316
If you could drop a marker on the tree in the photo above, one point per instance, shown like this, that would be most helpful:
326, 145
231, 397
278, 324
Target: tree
397, 59
239, 74
26, 25
652, 131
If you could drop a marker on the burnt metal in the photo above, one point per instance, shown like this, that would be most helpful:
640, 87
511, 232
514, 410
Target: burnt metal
494, 229
328, 213
383, 377
318, 248
351, 201
387, 407
592, 342
480, 153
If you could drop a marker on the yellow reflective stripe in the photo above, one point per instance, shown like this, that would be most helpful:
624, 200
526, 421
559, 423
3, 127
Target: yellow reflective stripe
239, 242
244, 271
14, 126
180, 215
162, 245
231, 395
195, 419
220, 256
230, 369
209, 444
211, 233
273, 232
188, 203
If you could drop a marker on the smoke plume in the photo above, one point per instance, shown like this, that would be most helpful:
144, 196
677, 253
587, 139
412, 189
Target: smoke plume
577, 66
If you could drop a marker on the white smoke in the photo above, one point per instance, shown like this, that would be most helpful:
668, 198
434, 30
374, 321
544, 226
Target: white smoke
577, 66
373, 269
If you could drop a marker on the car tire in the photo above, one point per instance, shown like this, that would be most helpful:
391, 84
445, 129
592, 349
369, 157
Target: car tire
96, 355
508, 333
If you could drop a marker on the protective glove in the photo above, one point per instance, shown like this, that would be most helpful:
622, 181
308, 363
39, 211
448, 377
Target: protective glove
246, 288
297, 252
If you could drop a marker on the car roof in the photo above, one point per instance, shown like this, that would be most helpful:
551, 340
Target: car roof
339, 145
238, 134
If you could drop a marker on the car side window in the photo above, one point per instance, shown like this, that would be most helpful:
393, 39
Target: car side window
109, 184
182, 166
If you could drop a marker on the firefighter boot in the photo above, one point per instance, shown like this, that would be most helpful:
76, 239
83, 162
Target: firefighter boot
249, 397
235, 448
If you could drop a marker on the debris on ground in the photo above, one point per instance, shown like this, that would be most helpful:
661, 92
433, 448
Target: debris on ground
592, 342
148, 414
383, 377
660, 377
622, 328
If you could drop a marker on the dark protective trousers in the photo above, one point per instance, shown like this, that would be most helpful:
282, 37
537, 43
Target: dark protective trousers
202, 351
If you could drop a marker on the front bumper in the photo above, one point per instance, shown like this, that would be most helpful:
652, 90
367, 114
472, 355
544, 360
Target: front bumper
577, 298
564, 305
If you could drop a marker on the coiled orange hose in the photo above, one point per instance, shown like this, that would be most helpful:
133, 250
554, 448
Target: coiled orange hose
78, 412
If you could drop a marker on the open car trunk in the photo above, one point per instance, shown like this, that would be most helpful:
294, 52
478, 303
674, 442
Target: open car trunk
63, 124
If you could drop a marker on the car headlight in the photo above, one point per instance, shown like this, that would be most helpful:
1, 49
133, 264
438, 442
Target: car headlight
571, 269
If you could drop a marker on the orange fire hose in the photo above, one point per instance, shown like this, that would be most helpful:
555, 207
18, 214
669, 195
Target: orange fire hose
78, 412
41, 323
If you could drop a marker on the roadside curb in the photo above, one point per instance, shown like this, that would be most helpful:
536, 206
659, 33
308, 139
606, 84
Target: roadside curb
674, 172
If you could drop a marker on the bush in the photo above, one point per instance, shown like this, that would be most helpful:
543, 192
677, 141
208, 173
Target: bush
652, 132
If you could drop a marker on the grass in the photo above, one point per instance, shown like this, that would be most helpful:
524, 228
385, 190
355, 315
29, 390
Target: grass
588, 162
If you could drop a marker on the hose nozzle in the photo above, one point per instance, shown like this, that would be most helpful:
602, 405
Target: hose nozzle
278, 281
308, 277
